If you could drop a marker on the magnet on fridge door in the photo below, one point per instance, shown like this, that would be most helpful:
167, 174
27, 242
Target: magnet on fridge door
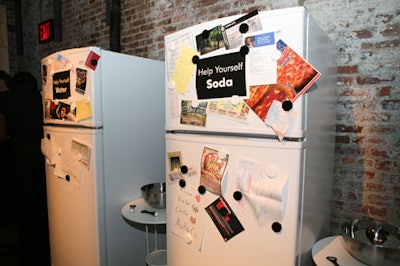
205, 34
276, 55
235, 100
237, 195
243, 28
92, 60
182, 183
244, 50
188, 238
171, 85
201, 189
184, 169
272, 171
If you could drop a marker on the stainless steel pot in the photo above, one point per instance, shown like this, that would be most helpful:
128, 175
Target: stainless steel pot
372, 242
155, 195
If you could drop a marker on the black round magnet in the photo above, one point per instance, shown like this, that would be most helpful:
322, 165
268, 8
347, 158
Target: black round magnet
244, 50
287, 105
237, 195
184, 169
182, 183
276, 227
243, 28
195, 59
201, 189
223, 211
205, 34
93, 62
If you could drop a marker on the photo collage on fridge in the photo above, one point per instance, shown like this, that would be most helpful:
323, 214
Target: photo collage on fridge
65, 76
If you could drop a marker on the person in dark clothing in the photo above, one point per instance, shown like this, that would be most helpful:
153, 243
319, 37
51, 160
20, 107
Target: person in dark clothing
7, 207
23, 111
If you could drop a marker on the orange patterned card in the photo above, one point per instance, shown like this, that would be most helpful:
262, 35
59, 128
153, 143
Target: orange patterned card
294, 71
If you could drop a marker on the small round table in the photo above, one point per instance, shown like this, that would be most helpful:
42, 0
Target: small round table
132, 211
332, 246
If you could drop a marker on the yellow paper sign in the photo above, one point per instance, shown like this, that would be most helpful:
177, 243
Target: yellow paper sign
184, 69
83, 110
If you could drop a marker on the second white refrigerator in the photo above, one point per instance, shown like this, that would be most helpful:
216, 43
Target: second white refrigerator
103, 141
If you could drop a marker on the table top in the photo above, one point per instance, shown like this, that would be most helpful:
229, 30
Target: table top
332, 246
136, 215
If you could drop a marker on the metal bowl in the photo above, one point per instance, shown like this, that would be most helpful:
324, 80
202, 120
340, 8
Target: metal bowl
154, 195
372, 242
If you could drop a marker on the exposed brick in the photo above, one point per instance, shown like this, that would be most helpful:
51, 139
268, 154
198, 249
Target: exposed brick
351, 196
385, 91
348, 69
378, 199
345, 81
384, 44
393, 30
391, 104
342, 139
384, 165
379, 153
363, 34
344, 128
374, 211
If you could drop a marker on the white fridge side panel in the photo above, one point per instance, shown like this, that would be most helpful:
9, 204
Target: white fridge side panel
134, 148
72, 63
289, 25
74, 219
258, 243
320, 141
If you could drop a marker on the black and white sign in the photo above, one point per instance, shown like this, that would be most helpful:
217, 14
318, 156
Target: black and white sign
61, 85
221, 76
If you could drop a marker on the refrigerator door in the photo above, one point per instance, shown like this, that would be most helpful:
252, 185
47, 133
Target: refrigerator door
68, 81
74, 180
261, 189
290, 25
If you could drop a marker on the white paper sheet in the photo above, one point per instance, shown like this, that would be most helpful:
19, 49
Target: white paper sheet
188, 215
280, 120
266, 193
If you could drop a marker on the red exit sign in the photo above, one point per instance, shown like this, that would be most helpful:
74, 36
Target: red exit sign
46, 32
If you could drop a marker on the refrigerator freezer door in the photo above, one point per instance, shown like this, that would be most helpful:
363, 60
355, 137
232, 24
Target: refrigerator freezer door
290, 25
73, 183
261, 189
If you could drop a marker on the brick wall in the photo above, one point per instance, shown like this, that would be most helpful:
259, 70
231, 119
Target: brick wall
367, 170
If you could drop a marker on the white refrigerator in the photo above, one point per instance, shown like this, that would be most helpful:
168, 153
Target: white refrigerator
104, 139
249, 165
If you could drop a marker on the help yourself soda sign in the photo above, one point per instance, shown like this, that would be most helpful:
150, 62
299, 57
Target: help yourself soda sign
221, 76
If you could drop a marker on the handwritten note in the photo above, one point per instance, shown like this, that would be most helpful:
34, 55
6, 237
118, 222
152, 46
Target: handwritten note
184, 69
188, 216
264, 188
